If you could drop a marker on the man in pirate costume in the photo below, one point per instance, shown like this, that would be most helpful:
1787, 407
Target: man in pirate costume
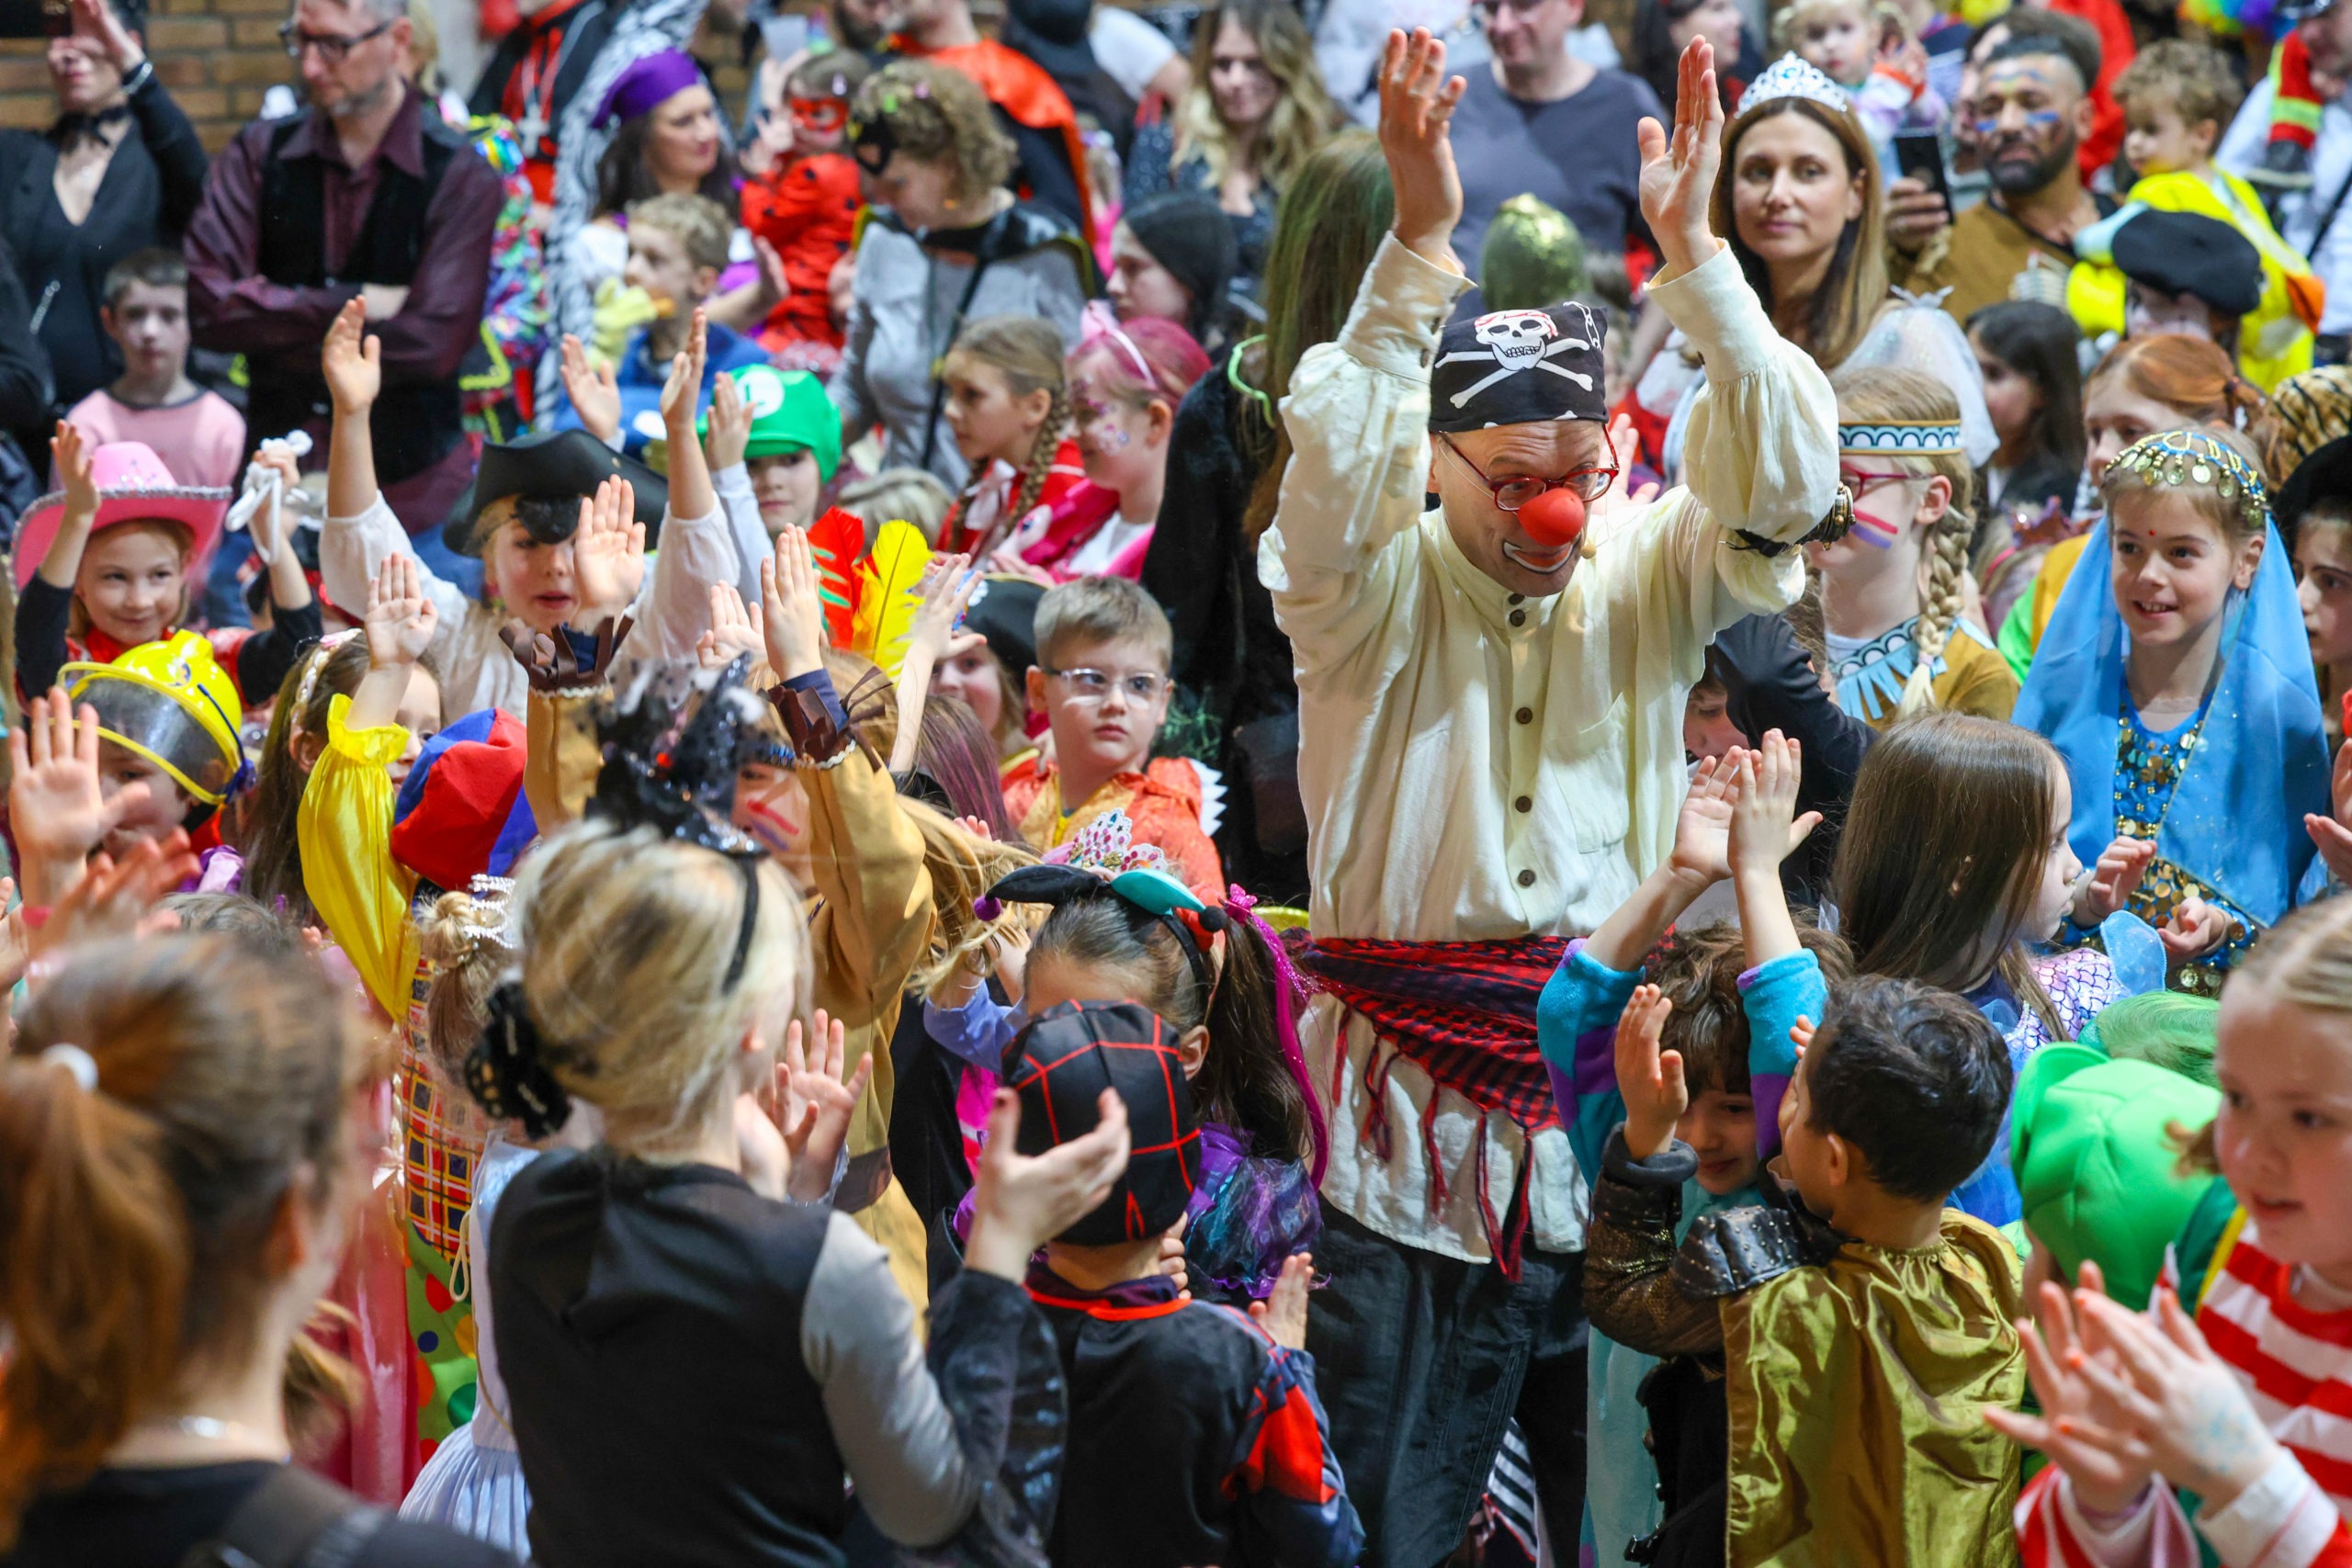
1491, 759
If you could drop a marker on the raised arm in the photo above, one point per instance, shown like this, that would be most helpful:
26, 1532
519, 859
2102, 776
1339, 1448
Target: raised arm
1358, 408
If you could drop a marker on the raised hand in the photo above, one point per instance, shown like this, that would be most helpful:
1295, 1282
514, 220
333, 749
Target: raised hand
1702, 855
118, 897
793, 613
594, 391
1283, 1315
2106, 1463
71, 450
2333, 835
681, 392
1649, 1081
735, 630
608, 553
730, 426
1678, 178
2181, 1402
1765, 828
96, 20
351, 361
773, 283
57, 807
814, 1103
948, 590
401, 620
1020, 1203
2109, 886
1416, 101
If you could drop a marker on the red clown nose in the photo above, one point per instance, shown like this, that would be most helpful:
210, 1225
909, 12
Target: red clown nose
1553, 518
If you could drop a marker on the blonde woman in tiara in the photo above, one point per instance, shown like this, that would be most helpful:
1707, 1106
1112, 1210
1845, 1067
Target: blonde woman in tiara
1894, 603
2177, 685
1798, 200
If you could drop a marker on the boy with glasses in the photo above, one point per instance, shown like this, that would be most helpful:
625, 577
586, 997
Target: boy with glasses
1102, 680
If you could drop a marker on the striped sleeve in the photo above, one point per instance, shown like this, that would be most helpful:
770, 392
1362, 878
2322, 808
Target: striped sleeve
1576, 1027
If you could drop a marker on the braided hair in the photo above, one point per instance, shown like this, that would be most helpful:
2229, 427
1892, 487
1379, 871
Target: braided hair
1028, 354
1884, 395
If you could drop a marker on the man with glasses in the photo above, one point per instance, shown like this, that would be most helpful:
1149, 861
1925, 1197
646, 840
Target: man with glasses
1538, 121
1490, 712
371, 195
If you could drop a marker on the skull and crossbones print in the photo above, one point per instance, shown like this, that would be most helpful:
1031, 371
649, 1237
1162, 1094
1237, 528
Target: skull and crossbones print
1517, 341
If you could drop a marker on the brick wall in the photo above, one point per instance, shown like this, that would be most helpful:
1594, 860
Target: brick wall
216, 56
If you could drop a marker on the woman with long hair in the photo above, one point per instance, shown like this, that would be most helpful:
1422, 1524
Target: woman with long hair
1800, 204
1663, 28
1256, 110
1225, 467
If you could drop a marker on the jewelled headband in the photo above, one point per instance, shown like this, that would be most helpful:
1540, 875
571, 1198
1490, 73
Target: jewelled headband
2193, 458
1902, 438
1791, 77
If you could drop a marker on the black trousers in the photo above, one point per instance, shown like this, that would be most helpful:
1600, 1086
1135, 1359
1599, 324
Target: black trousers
1420, 1360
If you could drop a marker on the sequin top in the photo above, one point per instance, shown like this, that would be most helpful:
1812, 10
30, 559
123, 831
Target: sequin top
2148, 765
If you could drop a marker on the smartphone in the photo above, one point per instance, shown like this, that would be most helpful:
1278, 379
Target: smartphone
1920, 155
57, 19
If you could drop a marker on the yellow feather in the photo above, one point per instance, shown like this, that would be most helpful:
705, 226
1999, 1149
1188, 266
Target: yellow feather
891, 575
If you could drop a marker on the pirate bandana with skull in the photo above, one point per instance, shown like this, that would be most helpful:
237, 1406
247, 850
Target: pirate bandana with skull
1518, 367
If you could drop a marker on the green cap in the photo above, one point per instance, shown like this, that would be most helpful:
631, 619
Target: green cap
2090, 1140
789, 413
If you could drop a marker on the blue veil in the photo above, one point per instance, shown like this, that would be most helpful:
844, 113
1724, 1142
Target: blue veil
2261, 760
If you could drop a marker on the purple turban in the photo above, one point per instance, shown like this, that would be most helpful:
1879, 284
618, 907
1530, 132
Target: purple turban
641, 87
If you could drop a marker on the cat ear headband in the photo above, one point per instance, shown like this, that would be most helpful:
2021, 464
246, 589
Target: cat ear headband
1104, 860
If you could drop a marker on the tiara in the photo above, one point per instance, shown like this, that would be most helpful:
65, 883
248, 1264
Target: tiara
1901, 437
2193, 458
1790, 77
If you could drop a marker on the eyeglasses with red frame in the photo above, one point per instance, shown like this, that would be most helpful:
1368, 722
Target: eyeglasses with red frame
1590, 483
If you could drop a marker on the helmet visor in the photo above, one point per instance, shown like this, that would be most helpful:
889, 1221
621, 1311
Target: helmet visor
158, 727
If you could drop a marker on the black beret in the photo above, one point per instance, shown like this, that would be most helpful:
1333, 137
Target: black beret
2185, 253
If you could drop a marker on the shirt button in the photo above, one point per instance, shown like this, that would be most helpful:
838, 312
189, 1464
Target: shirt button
1525, 716
1519, 617
1527, 879
1522, 804
1518, 598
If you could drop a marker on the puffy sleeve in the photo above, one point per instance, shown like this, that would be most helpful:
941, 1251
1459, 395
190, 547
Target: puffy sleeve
1576, 1027
1336, 557
344, 828
1774, 995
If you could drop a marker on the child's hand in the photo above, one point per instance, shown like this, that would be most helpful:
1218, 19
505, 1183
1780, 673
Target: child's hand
2333, 835
1801, 1034
773, 285
71, 450
117, 898
947, 589
401, 620
1020, 1203
814, 1104
272, 529
2106, 1463
351, 361
2181, 1402
608, 553
1171, 1257
2109, 886
730, 426
684, 389
794, 614
1283, 1315
594, 391
2194, 930
734, 630
1764, 801
58, 809
1703, 832
1648, 1079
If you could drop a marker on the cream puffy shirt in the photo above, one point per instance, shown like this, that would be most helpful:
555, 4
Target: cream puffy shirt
1479, 766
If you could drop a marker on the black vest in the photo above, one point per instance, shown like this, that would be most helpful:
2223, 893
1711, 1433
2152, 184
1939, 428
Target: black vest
414, 422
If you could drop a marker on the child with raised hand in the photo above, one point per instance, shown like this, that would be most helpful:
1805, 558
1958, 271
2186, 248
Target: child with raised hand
1860, 1328
533, 500
1008, 408
1894, 589
2177, 685
113, 561
2232, 1389
1682, 989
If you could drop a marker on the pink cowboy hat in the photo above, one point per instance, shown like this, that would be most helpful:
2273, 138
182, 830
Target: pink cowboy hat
133, 485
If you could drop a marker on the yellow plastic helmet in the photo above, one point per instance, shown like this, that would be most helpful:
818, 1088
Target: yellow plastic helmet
171, 703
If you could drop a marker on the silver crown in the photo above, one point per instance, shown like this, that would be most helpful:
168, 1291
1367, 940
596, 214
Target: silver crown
1790, 77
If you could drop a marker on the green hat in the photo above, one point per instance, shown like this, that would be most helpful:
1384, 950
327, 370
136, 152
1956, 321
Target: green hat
2164, 1029
2090, 1141
789, 413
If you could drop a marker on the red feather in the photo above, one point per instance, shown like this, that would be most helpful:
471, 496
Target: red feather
839, 540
